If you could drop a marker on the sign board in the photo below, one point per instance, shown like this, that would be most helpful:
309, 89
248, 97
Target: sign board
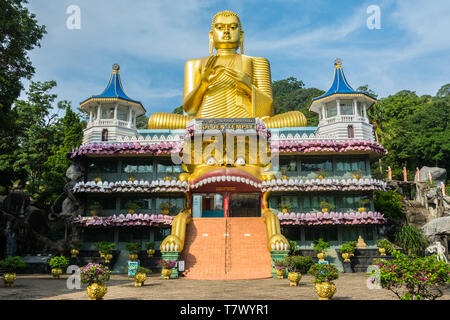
181, 265
225, 124
132, 268
196, 206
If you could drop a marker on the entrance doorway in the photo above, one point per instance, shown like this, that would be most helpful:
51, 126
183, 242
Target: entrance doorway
207, 205
245, 205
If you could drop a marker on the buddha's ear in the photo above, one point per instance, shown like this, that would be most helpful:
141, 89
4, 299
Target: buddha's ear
211, 42
242, 42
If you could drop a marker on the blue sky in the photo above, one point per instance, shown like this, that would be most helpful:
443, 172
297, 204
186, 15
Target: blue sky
151, 40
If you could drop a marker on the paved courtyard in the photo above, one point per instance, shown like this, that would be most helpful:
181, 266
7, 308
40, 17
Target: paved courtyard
349, 287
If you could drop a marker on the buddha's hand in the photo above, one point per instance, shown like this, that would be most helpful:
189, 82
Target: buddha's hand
241, 78
210, 71
278, 242
171, 243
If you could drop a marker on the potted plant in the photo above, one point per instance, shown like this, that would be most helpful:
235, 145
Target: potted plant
141, 276
362, 204
325, 206
97, 179
132, 207
297, 265
321, 246
11, 264
150, 247
167, 266
133, 249
76, 246
165, 207
358, 174
280, 268
57, 264
324, 275
95, 276
95, 208
322, 174
347, 250
383, 245
285, 207
105, 250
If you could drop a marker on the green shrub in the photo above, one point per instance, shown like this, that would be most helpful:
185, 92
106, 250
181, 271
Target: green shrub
321, 246
348, 247
132, 248
144, 270
13, 263
292, 247
414, 278
412, 240
323, 272
383, 243
389, 203
299, 264
105, 247
149, 245
58, 262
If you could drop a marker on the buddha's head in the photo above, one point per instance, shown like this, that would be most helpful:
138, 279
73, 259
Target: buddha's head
226, 32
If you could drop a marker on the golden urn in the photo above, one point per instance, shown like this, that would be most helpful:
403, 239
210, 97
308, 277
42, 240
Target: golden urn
294, 278
133, 256
96, 291
56, 273
74, 253
281, 273
324, 210
9, 278
139, 278
361, 210
346, 256
166, 273
94, 212
382, 251
321, 256
151, 252
325, 290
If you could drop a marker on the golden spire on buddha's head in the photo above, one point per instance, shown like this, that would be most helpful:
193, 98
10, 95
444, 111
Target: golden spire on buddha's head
226, 32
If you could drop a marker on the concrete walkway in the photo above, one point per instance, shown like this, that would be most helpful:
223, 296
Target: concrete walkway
349, 287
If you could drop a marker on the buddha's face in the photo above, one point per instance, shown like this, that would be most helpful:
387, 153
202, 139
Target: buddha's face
226, 32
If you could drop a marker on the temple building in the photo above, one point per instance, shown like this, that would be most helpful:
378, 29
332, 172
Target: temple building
226, 211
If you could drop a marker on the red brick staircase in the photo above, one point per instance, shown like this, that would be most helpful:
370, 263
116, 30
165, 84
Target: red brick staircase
226, 249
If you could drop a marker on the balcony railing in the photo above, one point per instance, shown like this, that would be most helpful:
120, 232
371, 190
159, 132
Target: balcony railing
110, 122
343, 118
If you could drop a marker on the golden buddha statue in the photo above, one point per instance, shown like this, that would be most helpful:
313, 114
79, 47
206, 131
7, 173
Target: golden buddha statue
227, 84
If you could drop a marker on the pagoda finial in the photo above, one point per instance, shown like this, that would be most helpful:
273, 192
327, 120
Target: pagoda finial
116, 67
338, 63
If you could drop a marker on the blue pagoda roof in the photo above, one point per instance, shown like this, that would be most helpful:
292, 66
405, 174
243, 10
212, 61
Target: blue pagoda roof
340, 85
114, 90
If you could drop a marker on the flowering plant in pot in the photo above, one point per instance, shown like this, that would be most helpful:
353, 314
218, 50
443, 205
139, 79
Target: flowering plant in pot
150, 247
95, 276
383, 245
57, 264
141, 276
132, 207
296, 266
280, 268
167, 266
133, 249
324, 274
75, 246
105, 249
347, 250
321, 246
11, 264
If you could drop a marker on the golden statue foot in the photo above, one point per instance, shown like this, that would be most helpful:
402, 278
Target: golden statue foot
163, 120
171, 243
278, 242
287, 119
